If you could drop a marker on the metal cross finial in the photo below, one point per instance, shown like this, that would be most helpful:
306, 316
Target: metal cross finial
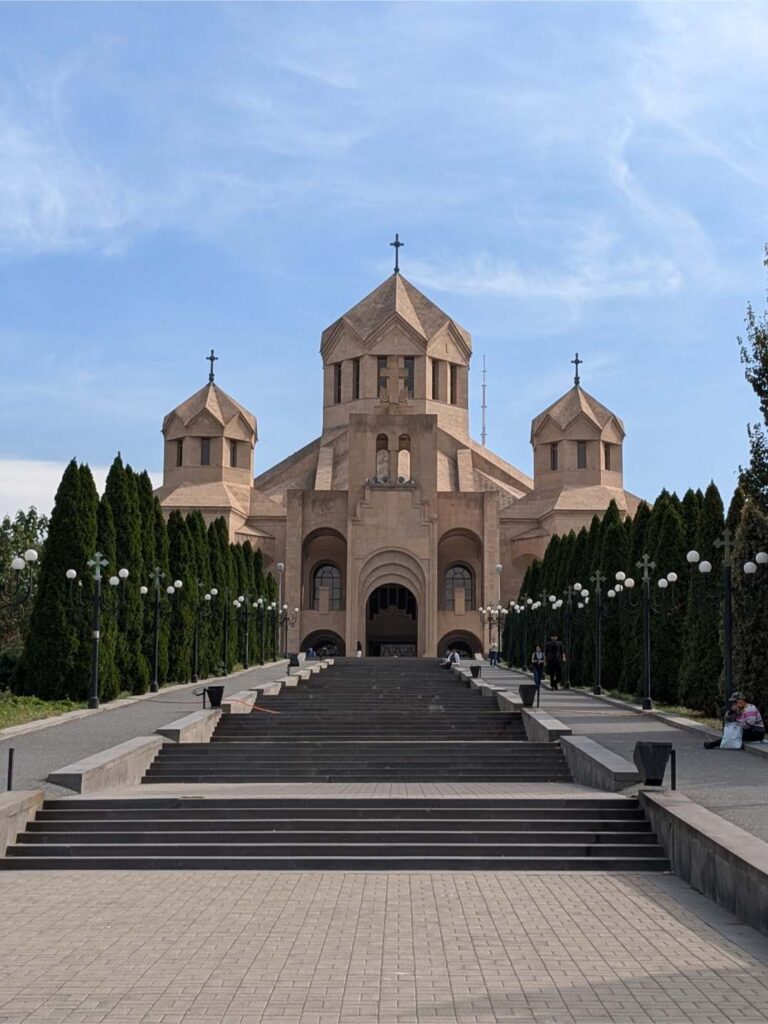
397, 244
577, 363
211, 359
97, 563
646, 565
726, 543
598, 578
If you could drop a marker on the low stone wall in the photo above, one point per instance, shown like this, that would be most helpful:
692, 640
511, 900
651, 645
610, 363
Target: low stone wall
123, 765
717, 858
541, 727
195, 728
16, 809
508, 700
593, 765
240, 703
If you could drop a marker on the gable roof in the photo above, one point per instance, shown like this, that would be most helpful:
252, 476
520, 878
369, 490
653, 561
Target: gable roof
396, 295
572, 404
212, 399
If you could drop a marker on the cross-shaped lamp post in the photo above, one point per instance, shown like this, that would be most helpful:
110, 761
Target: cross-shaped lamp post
97, 563
598, 578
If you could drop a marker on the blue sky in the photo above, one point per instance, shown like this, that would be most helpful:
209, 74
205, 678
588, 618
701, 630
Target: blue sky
588, 177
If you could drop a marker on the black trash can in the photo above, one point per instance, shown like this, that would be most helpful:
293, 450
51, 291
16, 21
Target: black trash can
527, 693
475, 670
651, 760
215, 694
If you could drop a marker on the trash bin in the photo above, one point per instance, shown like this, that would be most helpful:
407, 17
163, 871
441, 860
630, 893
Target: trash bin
527, 693
215, 694
651, 760
475, 670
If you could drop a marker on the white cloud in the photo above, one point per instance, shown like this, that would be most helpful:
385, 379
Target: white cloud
25, 482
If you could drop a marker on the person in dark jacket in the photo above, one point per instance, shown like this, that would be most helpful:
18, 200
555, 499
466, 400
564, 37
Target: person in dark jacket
554, 656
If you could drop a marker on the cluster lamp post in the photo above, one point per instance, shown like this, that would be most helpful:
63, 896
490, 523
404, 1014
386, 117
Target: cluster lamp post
494, 616
155, 577
202, 607
285, 619
21, 586
97, 563
694, 558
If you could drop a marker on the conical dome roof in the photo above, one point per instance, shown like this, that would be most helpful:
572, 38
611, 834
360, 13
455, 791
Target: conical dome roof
215, 401
574, 403
396, 295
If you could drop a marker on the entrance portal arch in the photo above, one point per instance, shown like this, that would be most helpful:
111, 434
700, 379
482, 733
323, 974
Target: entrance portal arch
394, 568
391, 622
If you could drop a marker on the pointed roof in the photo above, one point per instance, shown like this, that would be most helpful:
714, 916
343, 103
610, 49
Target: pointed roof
572, 404
212, 399
397, 295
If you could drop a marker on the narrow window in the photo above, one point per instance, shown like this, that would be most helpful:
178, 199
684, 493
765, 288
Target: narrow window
454, 384
179, 452
233, 453
329, 577
404, 459
607, 450
458, 577
383, 376
409, 375
205, 451
581, 454
355, 379
336, 383
382, 457
436, 380
553, 456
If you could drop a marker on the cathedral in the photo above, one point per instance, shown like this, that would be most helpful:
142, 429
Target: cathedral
394, 530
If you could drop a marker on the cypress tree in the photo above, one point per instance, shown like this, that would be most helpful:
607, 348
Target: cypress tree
52, 661
160, 531
579, 573
220, 610
632, 661
203, 582
702, 660
614, 551
182, 616
750, 600
258, 583
146, 502
272, 631
691, 508
106, 541
735, 510
754, 356
241, 590
121, 490
587, 632
667, 624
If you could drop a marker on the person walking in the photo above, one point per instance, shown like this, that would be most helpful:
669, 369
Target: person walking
554, 656
537, 664
493, 655
359, 651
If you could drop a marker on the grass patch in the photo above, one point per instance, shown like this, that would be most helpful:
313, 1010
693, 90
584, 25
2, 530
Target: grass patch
18, 710
669, 709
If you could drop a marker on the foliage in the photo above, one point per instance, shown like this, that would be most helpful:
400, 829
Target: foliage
750, 600
26, 530
754, 356
16, 710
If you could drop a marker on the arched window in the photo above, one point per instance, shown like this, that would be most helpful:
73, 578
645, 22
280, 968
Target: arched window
382, 457
404, 458
459, 577
328, 578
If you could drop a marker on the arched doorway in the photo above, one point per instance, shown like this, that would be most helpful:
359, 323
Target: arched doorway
326, 642
391, 622
466, 643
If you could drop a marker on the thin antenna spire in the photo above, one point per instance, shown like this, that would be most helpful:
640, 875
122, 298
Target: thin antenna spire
484, 433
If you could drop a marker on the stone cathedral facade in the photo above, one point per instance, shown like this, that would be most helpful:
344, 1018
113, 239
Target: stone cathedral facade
394, 528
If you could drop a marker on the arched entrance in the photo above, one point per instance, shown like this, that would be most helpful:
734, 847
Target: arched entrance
325, 642
460, 640
391, 622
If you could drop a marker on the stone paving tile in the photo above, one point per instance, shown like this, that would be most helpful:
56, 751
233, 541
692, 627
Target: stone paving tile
336, 948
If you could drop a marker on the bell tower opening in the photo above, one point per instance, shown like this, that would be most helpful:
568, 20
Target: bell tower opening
392, 623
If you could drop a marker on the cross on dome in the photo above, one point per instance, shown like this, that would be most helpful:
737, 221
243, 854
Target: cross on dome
211, 359
397, 245
577, 363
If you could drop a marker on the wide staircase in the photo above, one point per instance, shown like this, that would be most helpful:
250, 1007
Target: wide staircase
368, 720
531, 834
362, 721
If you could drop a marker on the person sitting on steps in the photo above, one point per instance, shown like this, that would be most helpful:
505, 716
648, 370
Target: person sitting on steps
554, 654
740, 711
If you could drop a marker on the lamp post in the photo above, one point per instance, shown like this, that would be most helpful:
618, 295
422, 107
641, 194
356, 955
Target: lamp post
494, 617
21, 586
761, 558
285, 619
569, 593
259, 604
202, 607
243, 605
97, 563
155, 577
598, 578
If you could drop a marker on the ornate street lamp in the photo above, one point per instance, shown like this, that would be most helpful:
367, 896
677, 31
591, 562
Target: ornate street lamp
694, 558
80, 608
286, 619
261, 611
203, 607
20, 587
155, 583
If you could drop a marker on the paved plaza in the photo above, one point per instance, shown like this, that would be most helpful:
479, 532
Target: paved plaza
327, 948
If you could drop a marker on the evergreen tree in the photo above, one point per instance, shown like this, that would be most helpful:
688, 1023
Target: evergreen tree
735, 510
203, 582
702, 658
241, 585
58, 643
258, 583
750, 600
587, 631
632, 662
26, 530
579, 573
146, 501
754, 356
183, 608
691, 507
106, 541
614, 551
667, 624
160, 531
122, 492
